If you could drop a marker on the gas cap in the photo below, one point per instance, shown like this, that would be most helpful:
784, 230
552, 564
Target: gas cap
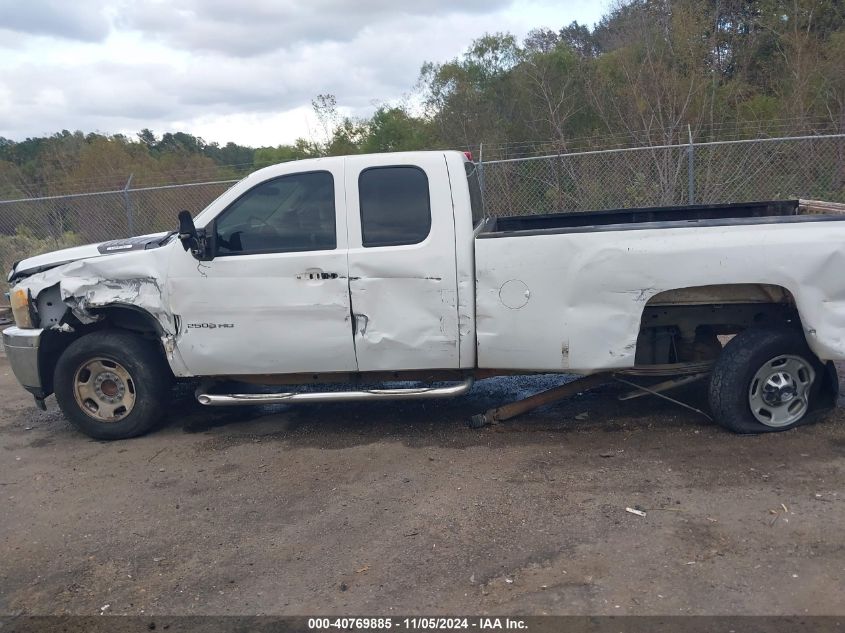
514, 294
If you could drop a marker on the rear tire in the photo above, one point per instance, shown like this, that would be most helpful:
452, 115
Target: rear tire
767, 380
112, 385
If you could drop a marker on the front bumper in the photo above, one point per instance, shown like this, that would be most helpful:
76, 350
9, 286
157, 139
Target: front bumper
22, 351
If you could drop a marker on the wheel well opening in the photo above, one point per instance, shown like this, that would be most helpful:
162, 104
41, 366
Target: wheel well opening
693, 324
130, 318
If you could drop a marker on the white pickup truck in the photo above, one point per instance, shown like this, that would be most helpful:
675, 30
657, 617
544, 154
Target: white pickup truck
383, 268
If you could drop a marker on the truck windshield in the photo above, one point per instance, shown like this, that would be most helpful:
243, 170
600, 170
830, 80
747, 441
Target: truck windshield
474, 192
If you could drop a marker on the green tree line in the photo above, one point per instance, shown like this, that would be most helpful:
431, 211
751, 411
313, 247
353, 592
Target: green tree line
650, 72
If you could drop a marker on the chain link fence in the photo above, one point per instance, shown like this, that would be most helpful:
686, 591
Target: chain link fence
37, 225
713, 172
665, 175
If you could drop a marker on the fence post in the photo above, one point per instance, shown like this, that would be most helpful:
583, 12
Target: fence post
130, 217
481, 174
690, 168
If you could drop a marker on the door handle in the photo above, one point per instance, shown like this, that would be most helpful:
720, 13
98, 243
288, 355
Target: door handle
315, 274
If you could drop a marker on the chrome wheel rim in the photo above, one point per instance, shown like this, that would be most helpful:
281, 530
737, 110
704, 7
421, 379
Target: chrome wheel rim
104, 390
779, 394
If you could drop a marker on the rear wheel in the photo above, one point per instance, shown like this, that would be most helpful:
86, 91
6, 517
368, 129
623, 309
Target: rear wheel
766, 380
112, 385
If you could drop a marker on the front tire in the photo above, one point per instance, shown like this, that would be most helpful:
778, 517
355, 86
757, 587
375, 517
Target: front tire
112, 385
766, 380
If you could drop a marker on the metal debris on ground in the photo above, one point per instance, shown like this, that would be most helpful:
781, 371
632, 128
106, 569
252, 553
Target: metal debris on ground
778, 513
639, 513
654, 392
550, 396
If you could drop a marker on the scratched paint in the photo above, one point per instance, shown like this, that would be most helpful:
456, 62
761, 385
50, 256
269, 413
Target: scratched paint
589, 289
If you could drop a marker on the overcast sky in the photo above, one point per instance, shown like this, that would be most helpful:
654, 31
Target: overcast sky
233, 70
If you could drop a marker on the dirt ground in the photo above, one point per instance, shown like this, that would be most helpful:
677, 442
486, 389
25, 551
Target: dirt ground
401, 509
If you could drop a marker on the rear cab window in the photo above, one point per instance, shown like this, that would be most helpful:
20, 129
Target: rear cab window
395, 206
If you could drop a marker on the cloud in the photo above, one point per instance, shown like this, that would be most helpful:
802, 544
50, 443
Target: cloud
82, 20
244, 71
128, 91
252, 28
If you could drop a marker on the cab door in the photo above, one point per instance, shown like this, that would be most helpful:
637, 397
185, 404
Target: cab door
275, 298
402, 271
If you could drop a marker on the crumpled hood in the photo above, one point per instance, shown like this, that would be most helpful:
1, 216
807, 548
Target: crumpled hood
52, 259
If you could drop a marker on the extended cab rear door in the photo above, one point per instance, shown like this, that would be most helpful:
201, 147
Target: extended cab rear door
402, 272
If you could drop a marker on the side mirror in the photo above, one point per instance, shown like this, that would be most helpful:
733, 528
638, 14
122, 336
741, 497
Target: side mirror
192, 239
187, 230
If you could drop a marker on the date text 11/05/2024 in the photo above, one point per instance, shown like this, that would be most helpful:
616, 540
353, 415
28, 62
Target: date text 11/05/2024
417, 624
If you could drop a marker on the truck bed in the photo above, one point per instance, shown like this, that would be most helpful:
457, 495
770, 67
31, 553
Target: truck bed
648, 217
567, 292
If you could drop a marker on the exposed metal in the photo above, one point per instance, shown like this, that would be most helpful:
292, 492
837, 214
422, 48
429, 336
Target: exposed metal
657, 393
669, 369
50, 308
666, 385
820, 206
550, 396
779, 393
412, 393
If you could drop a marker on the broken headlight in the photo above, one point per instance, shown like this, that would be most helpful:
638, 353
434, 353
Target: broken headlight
23, 308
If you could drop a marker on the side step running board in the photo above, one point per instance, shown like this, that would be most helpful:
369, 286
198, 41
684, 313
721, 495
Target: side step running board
416, 393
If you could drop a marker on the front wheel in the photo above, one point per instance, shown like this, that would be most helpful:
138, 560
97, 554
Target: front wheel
767, 380
112, 385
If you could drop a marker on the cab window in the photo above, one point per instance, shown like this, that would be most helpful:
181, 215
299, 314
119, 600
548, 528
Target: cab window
395, 206
287, 214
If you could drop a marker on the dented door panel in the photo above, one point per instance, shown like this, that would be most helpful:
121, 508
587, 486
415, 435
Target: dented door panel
407, 295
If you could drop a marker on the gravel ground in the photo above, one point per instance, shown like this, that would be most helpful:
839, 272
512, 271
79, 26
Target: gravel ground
389, 508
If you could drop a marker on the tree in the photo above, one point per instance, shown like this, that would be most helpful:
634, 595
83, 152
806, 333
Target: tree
265, 156
393, 129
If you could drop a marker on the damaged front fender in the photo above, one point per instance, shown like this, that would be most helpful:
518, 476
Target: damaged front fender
83, 288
